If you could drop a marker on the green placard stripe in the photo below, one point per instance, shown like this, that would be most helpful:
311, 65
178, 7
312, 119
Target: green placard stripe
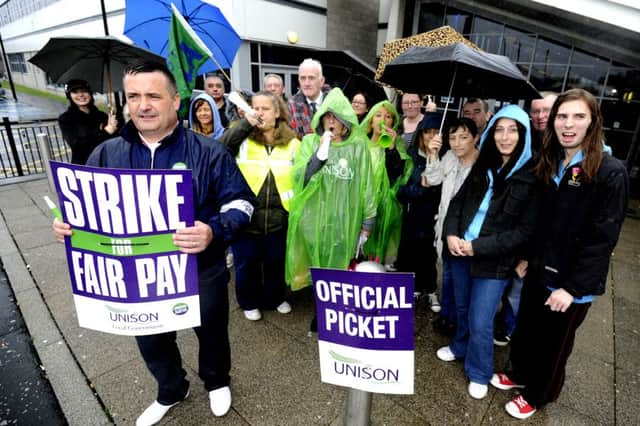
127, 246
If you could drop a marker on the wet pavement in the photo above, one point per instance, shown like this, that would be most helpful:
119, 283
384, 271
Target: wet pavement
31, 108
100, 379
26, 396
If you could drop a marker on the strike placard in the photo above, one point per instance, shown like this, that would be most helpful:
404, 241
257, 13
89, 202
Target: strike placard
365, 329
126, 274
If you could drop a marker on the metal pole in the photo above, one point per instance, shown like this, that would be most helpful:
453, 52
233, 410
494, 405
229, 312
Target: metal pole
6, 65
45, 154
104, 18
358, 408
12, 145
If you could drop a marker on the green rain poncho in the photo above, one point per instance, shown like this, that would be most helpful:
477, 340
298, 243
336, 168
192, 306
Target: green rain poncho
385, 236
326, 215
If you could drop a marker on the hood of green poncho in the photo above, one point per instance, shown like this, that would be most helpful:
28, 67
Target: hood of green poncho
389, 107
338, 104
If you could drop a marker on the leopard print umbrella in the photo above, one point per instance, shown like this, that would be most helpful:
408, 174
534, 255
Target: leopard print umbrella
439, 37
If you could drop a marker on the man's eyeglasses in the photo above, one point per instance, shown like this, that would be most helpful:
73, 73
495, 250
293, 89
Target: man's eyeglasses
358, 103
406, 103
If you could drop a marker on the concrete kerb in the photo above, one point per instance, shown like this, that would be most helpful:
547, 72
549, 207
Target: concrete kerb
76, 398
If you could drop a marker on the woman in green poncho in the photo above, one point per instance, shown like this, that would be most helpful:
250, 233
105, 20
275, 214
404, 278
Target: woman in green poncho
333, 208
392, 168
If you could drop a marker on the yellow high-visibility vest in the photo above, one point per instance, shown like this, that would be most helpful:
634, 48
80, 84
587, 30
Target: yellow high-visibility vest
255, 163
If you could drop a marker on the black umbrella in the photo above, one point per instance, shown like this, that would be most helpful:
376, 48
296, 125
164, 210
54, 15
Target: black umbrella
94, 59
457, 70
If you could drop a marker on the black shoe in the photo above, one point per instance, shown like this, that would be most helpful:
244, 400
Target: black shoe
501, 338
444, 327
313, 327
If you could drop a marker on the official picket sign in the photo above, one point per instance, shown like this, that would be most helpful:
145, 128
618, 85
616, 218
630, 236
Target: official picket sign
365, 329
126, 274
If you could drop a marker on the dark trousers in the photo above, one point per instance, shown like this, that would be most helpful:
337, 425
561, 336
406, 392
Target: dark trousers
259, 266
160, 351
542, 343
419, 256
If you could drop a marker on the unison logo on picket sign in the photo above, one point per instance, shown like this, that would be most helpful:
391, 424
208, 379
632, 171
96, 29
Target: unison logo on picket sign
118, 315
350, 367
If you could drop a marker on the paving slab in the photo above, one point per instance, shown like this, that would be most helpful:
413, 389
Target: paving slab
48, 265
589, 387
18, 274
126, 391
78, 403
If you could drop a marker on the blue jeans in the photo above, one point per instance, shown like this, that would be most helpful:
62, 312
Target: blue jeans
477, 300
448, 302
511, 308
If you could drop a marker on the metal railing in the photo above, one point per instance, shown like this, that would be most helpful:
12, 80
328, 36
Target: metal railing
19, 153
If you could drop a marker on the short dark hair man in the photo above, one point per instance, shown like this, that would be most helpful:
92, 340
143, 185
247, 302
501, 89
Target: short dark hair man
154, 139
214, 87
477, 110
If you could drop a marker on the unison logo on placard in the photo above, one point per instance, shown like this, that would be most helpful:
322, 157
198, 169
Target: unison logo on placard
351, 367
124, 316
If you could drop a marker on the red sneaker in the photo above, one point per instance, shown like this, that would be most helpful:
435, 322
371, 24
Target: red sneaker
519, 408
502, 381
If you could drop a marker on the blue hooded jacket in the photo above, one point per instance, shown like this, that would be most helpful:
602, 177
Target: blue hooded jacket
518, 114
218, 129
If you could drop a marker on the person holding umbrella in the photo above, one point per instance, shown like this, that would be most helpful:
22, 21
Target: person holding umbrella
84, 126
452, 169
584, 191
420, 198
489, 221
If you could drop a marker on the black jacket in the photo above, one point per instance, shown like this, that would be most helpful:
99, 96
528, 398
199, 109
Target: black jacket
83, 132
578, 227
508, 224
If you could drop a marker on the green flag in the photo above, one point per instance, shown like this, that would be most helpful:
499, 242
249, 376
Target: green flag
187, 53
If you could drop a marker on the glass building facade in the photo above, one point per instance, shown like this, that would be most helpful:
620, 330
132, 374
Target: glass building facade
554, 66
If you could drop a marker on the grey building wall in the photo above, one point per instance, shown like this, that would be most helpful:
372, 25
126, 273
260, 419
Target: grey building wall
353, 25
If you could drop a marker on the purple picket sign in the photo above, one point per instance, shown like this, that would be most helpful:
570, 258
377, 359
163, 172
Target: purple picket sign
137, 211
364, 310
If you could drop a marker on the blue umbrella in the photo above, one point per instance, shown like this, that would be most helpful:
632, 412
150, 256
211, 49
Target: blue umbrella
147, 23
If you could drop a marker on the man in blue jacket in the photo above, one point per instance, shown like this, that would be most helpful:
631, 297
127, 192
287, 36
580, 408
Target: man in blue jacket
153, 139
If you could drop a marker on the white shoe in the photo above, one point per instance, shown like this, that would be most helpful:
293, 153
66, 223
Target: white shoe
477, 391
434, 304
445, 354
284, 307
155, 412
229, 260
253, 315
220, 401
391, 267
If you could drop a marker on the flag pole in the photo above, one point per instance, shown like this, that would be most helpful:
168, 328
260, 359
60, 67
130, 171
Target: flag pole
198, 40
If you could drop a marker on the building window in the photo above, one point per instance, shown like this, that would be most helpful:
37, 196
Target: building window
587, 72
17, 63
